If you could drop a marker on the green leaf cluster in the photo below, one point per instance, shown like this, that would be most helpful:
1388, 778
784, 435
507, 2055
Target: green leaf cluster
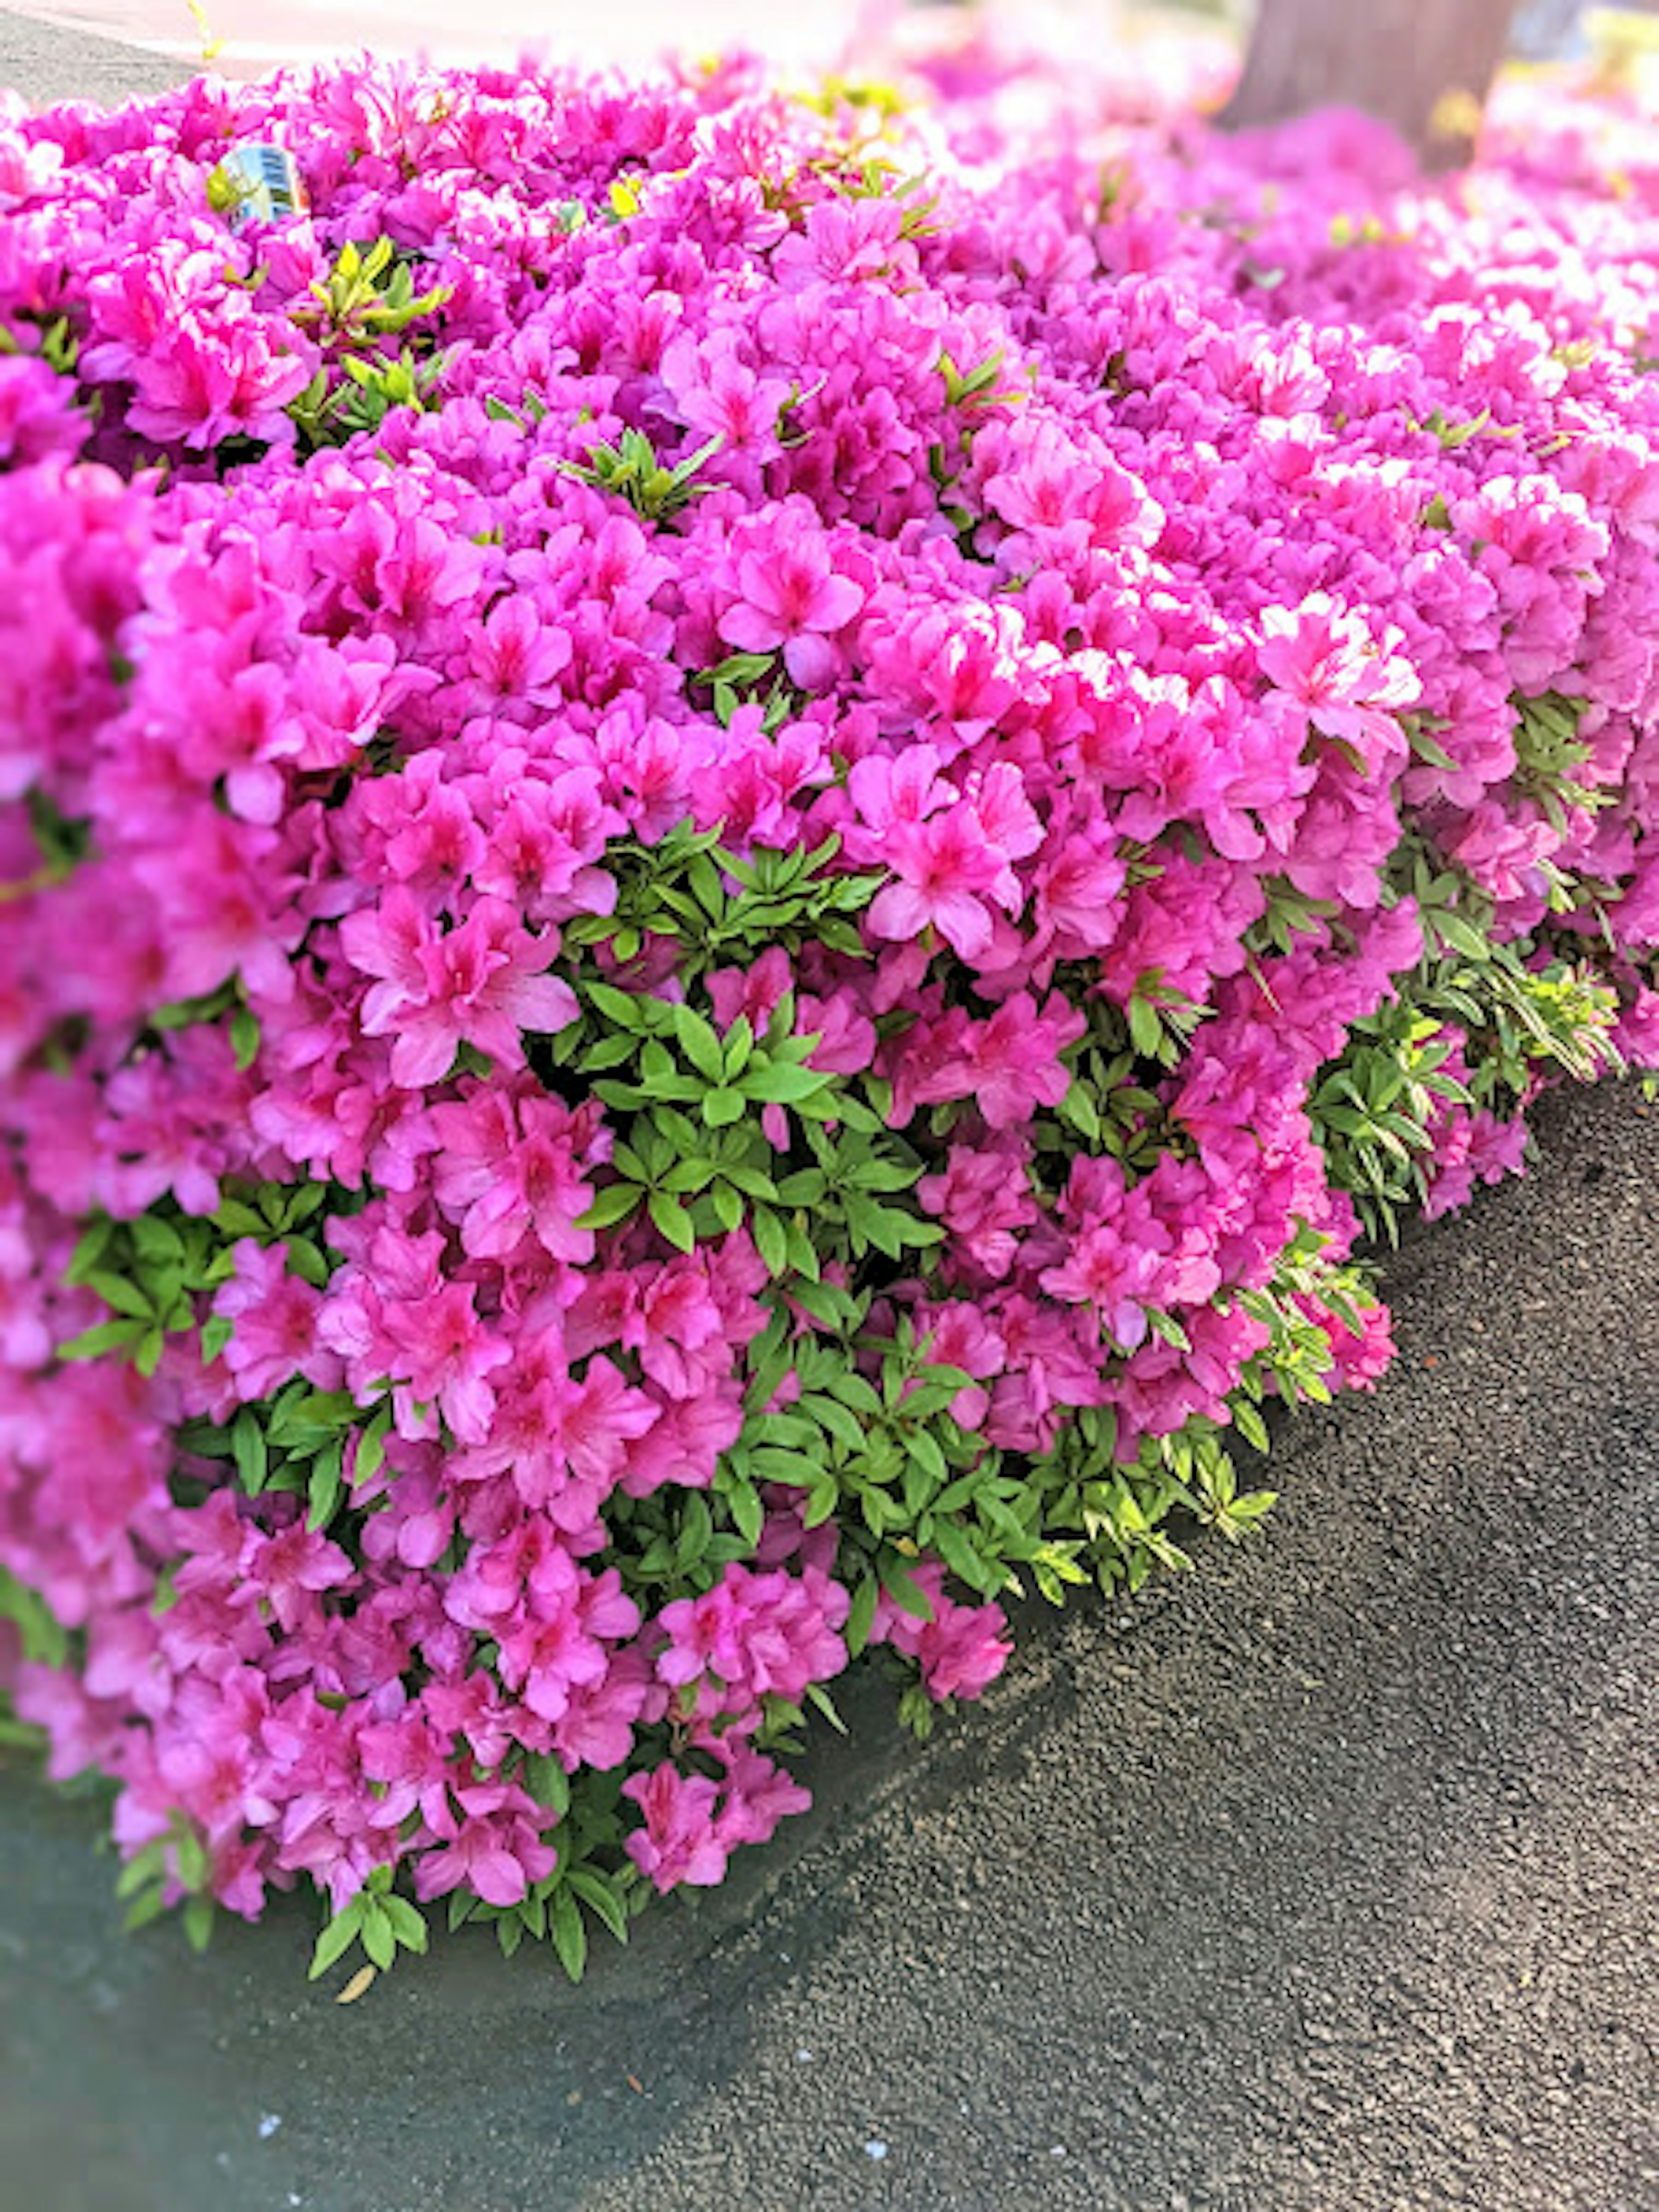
724, 911
367, 297
1548, 754
871, 1440
1103, 1518
692, 1151
378, 1919
332, 410
315, 1443
155, 1875
1371, 1112
1454, 435
1289, 914
1513, 1006
978, 387
736, 682
45, 1640
632, 471
151, 1271
594, 1880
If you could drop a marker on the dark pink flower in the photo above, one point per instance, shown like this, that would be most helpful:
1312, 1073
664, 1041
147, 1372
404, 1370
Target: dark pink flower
481, 983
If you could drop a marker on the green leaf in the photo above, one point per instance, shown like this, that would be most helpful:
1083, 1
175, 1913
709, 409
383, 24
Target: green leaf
840, 1420
621, 1008
924, 1448
371, 1446
217, 1332
831, 1307
236, 1219
1253, 1505
158, 1242
818, 1695
781, 1083
901, 1588
199, 1921
611, 1051
596, 1893
1167, 1327
772, 1463
612, 1204
672, 1222
338, 1935
697, 1041
1247, 1420
408, 1924
145, 1865
695, 1530
547, 1782
1078, 1107
1453, 930
722, 1107
307, 1261
150, 1906
245, 1037
320, 1411
771, 1239
860, 1616
89, 1250
823, 1499
855, 1392
115, 1290
323, 1492
569, 1933
749, 1179
728, 1206
247, 1441
1145, 1029
803, 1253
743, 1502
107, 1336
739, 1047
45, 1642
378, 1939
951, 1541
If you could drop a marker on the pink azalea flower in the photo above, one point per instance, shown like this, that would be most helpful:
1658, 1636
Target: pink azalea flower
791, 597
483, 983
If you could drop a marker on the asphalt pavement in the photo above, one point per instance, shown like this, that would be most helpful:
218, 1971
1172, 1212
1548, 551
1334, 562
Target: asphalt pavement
46, 63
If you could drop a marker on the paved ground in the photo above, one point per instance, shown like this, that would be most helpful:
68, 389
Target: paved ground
46, 62
251, 36
1321, 1879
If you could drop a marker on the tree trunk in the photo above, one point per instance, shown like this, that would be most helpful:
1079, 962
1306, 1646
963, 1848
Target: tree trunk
1397, 59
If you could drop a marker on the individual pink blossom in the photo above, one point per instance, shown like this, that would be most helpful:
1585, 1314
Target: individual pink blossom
511, 1167
791, 597
483, 983
274, 1336
679, 1841
961, 1649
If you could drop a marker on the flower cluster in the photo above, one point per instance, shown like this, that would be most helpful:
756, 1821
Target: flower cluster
736, 843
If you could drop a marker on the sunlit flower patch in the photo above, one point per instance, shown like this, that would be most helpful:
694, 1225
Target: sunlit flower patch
737, 841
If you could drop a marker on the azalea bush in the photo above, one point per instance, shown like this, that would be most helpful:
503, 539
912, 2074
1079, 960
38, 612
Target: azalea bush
741, 838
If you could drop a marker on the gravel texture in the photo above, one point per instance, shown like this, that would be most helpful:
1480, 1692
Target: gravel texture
47, 63
1320, 1879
